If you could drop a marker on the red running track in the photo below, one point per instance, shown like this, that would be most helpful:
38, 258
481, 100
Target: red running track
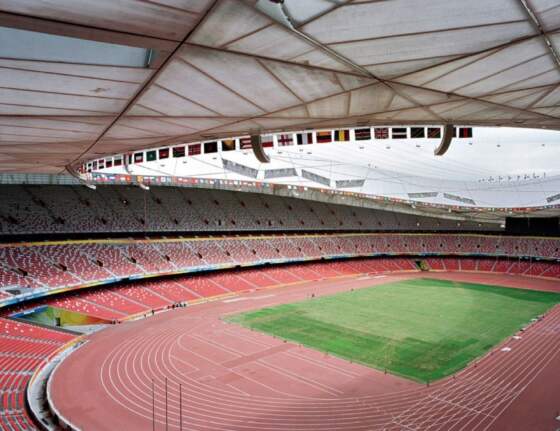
235, 379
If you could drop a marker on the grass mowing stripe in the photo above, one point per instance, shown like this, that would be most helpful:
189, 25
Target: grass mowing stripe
422, 329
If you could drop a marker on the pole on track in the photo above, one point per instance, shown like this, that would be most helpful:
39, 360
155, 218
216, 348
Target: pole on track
166, 423
180, 408
153, 407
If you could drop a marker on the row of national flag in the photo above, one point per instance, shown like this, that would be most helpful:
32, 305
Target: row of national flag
281, 140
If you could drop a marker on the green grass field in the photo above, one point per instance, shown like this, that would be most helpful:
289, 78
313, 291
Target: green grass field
422, 329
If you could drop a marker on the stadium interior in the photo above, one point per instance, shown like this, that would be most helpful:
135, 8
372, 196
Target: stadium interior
266, 215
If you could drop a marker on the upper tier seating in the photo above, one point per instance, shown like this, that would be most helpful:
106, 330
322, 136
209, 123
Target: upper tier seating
39, 209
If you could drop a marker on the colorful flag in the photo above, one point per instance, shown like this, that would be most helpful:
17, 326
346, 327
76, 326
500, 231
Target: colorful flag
324, 137
138, 157
151, 156
210, 147
304, 138
285, 140
245, 143
101, 164
398, 133
163, 153
194, 149
108, 163
465, 132
267, 141
362, 134
178, 152
381, 133
417, 132
228, 144
434, 132
118, 161
342, 135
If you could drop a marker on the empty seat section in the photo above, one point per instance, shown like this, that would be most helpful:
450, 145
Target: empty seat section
23, 348
172, 290
138, 293
203, 287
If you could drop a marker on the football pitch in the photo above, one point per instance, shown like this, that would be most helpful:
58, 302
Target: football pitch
422, 329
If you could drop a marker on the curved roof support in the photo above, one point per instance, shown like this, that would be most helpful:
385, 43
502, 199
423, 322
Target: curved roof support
445, 140
81, 178
258, 150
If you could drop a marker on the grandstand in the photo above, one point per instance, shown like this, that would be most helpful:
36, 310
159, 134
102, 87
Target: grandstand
129, 270
248, 215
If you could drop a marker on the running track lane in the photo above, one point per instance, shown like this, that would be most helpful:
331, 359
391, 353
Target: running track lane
235, 379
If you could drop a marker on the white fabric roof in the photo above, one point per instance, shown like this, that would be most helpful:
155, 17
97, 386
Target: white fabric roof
468, 176
218, 68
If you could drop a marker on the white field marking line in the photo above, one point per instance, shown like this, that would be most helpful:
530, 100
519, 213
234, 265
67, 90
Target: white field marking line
201, 412
468, 392
302, 380
247, 338
248, 298
228, 301
446, 420
141, 380
238, 390
484, 398
401, 425
440, 414
208, 375
449, 422
116, 388
478, 379
523, 388
511, 391
188, 364
326, 366
213, 390
483, 403
195, 353
284, 413
228, 350
442, 417
126, 406
533, 346
421, 402
479, 398
482, 406
274, 390
461, 406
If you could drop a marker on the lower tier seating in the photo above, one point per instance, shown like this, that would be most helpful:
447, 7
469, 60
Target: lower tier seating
24, 267
23, 347
120, 301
